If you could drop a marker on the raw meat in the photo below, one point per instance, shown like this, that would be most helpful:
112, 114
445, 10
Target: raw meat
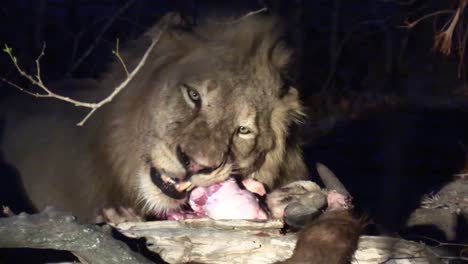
227, 200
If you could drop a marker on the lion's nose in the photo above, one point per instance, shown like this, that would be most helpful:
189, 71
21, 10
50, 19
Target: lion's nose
196, 166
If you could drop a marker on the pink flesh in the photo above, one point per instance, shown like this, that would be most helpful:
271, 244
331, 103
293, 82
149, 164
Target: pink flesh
225, 200
338, 201
254, 186
181, 215
231, 202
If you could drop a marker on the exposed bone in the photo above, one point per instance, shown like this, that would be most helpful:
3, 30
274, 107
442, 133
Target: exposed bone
330, 180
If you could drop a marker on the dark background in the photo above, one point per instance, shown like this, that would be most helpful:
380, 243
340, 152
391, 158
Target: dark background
387, 111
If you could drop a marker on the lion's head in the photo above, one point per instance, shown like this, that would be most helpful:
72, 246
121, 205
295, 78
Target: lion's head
211, 102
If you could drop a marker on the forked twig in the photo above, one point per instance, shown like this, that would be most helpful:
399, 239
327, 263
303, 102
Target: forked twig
100, 35
37, 80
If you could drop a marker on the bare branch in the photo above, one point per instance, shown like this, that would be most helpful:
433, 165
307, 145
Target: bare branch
252, 13
442, 244
22, 89
101, 33
414, 23
116, 52
446, 257
37, 80
127, 80
38, 68
443, 40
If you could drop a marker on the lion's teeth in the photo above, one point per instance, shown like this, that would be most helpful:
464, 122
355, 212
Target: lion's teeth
164, 178
172, 181
167, 179
183, 186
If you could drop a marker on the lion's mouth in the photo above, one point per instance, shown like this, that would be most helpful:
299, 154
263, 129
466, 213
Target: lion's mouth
167, 185
177, 188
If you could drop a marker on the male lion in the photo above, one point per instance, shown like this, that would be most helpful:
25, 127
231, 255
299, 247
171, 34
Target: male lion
210, 102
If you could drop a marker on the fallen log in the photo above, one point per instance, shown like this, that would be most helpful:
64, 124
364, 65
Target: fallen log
244, 241
197, 240
52, 229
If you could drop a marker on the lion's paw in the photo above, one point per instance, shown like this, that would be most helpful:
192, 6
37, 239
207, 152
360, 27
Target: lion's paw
117, 215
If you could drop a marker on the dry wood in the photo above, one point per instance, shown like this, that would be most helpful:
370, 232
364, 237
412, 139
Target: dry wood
199, 240
245, 241
210, 241
52, 229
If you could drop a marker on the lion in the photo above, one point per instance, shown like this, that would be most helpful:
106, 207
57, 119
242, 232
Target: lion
211, 101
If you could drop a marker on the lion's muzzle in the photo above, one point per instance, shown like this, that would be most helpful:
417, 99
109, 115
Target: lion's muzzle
194, 166
167, 185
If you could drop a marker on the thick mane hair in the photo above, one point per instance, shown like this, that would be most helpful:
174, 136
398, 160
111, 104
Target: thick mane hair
178, 124
259, 38
108, 162
255, 41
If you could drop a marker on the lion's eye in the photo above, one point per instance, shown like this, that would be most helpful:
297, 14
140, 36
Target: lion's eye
244, 130
192, 96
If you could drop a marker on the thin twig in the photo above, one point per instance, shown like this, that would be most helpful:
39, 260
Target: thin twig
116, 52
252, 13
127, 80
441, 244
37, 80
446, 257
414, 23
443, 40
100, 35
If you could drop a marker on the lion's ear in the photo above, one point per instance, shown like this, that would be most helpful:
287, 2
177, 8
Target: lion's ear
173, 26
281, 55
177, 21
174, 34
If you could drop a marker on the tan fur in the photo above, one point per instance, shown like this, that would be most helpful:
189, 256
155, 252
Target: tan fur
236, 69
331, 239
